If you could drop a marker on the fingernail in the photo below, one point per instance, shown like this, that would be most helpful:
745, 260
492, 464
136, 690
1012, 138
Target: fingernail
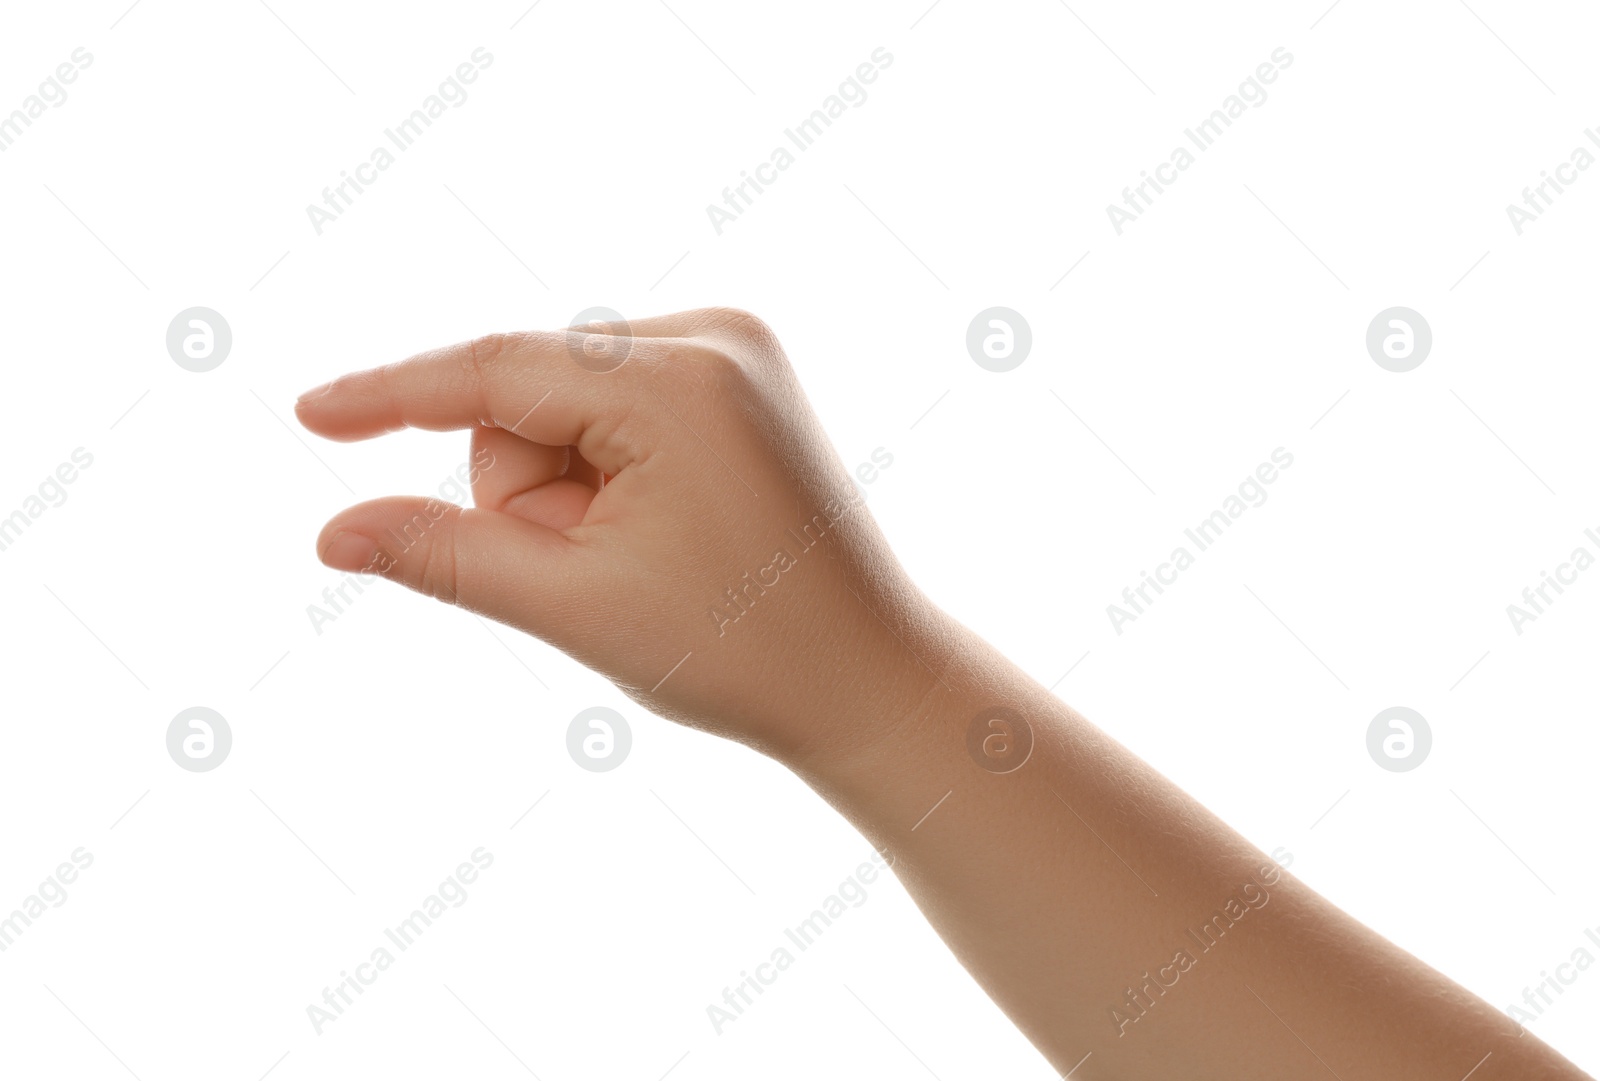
314, 392
350, 552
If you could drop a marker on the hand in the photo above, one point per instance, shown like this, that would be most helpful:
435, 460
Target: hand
659, 501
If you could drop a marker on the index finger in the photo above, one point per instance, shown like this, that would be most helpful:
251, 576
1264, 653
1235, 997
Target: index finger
526, 383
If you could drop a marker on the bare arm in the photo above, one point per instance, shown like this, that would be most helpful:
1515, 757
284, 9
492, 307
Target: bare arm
660, 502
1121, 925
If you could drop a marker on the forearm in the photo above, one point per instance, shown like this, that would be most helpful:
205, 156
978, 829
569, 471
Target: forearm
739, 588
1106, 911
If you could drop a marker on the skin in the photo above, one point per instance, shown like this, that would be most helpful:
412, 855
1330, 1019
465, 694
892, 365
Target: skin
621, 508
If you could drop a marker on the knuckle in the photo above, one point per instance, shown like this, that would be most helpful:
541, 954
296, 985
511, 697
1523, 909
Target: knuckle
714, 365
745, 337
483, 352
746, 325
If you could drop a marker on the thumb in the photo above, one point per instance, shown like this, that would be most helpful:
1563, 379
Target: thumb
495, 564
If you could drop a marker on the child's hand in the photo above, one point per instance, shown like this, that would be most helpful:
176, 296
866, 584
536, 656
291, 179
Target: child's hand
726, 574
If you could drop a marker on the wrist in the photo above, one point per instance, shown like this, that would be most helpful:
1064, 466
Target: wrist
959, 727
898, 714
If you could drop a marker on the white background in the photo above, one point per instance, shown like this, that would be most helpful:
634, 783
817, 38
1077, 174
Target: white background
1229, 320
